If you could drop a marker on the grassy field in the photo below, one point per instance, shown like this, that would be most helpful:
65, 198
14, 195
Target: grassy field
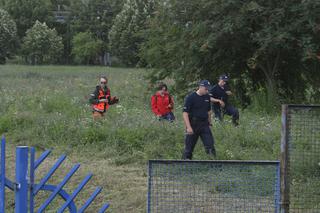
47, 107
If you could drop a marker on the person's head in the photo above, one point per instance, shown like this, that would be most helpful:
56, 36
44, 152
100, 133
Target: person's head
204, 86
162, 88
103, 81
222, 80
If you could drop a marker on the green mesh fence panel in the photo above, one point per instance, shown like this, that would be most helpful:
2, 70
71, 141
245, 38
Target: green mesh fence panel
213, 186
303, 138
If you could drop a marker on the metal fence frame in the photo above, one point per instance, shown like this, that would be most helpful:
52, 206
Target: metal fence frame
275, 163
26, 189
285, 153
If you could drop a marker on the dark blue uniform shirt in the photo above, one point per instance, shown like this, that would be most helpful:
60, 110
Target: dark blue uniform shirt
197, 106
218, 92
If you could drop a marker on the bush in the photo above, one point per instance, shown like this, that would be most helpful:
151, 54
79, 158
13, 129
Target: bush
86, 48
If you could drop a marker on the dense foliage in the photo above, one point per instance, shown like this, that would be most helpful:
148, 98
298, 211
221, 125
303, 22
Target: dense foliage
86, 47
263, 44
126, 33
8, 32
270, 49
26, 12
96, 18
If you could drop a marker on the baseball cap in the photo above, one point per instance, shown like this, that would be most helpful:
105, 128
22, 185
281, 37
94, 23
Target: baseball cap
223, 77
205, 83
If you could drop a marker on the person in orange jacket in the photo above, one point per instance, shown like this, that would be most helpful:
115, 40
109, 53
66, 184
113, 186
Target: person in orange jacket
162, 104
101, 99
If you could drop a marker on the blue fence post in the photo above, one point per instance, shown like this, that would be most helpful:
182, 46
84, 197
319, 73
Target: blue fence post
3, 174
31, 188
21, 188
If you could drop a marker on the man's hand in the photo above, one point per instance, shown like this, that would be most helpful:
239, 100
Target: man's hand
229, 92
222, 104
189, 130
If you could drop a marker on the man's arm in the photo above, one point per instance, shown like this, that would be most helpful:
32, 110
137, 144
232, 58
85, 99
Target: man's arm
171, 102
94, 97
154, 106
209, 118
187, 122
215, 100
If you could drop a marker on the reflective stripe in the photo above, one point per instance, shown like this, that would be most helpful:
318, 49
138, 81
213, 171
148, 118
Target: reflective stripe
98, 110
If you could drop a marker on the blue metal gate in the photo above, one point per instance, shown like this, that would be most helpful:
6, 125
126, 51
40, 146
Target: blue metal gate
26, 189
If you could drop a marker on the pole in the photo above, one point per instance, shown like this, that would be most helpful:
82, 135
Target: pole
21, 187
3, 174
284, 161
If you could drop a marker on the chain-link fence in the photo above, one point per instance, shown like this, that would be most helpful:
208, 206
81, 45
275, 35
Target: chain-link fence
300, 159
213, 186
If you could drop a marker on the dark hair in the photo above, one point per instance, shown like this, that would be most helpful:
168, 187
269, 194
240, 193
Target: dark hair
161, 85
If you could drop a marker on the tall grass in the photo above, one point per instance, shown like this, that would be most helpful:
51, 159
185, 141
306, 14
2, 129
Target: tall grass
47, 107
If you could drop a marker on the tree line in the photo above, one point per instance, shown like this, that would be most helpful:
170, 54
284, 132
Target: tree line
271, 49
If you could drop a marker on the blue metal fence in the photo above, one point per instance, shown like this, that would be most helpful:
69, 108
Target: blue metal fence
26, 189
213, 186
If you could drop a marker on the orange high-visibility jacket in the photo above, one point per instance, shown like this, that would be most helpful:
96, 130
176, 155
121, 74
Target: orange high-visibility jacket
97, 95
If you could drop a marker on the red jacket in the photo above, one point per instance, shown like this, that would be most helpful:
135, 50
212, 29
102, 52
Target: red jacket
161, 105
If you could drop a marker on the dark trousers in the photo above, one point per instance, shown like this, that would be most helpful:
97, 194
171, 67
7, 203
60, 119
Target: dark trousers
169, 117
229, 110
202, 129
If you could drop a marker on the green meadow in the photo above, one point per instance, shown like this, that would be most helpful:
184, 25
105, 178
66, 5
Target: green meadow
47, 107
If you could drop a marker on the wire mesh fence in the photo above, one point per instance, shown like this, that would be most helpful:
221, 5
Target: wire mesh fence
213, 186
302, 139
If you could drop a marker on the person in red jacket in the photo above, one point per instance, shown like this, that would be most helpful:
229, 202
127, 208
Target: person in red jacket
101, 99
162, 104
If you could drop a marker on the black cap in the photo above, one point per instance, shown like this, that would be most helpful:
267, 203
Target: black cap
223, 77
205, 83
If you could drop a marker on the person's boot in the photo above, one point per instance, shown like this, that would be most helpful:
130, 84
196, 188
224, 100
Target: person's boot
235, 122
185, 157
211, 153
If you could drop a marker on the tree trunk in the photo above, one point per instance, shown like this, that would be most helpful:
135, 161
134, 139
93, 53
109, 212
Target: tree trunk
269, 69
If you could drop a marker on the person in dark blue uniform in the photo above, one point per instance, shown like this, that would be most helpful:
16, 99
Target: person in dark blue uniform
219, 96
197, 119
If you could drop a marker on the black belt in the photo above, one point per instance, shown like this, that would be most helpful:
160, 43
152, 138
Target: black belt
198, 119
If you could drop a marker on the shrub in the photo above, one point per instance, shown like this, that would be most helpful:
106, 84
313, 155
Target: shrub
86, 48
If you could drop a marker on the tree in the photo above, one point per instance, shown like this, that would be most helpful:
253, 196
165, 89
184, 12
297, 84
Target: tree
42, 44
8, 31
95, 17
268, 42
126, 33
26, 12
86, 47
